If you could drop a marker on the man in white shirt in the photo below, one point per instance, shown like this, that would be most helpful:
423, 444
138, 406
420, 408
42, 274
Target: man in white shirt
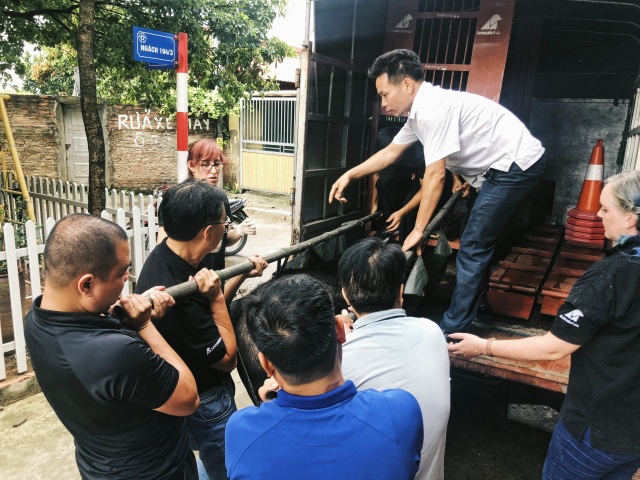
475, 139
387, 349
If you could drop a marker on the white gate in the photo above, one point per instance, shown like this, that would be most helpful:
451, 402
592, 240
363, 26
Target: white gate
75, 140
267, 148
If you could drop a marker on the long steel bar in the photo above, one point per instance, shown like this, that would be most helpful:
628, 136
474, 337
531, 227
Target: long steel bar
189, 287
411, 255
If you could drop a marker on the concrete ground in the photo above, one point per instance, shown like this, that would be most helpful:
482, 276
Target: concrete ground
34, 444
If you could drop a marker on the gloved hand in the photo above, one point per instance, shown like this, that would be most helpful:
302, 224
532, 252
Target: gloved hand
247, 227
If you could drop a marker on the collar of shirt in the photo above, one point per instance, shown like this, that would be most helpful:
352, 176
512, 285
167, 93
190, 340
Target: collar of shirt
627, 243
379, 317
422, 91
339, 395
77, 319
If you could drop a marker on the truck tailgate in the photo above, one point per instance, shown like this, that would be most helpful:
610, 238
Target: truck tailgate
550, 375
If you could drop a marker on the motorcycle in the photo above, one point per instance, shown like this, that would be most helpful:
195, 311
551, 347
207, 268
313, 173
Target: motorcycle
238, 215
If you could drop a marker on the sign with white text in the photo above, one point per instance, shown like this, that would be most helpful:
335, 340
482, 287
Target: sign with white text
154, 47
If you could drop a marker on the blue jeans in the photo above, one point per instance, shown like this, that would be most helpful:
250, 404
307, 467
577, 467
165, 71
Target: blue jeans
497, 201
571, 459
207, 425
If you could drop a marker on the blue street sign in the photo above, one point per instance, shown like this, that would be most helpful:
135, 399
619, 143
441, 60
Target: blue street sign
152, 46
153, 66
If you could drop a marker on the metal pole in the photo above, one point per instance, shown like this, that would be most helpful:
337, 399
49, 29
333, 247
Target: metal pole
189, 287
16, 160
5, 176
411, 255
444, 211
182, 105
247, 266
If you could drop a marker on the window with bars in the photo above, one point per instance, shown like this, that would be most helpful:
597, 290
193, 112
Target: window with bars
444, 37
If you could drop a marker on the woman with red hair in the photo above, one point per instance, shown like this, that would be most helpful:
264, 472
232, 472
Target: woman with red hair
204, 162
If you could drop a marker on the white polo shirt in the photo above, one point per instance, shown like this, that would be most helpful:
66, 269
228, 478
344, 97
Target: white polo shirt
473, 133
387, 349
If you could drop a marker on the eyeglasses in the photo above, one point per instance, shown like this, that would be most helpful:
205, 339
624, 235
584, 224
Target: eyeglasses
208, 166
226, 223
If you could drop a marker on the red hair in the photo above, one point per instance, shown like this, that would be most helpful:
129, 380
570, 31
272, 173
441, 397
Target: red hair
204, 150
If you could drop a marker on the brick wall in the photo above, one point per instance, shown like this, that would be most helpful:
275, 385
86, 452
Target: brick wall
141, 143
142, 146
36, 124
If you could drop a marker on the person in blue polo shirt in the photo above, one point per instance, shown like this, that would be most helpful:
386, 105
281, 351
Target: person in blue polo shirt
319, 426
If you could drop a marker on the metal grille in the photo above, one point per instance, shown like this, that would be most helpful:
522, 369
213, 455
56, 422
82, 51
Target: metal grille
268, 124
445, 32
449, 5
632, 150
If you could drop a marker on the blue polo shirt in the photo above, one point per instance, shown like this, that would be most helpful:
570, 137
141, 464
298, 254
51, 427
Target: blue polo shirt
340, 434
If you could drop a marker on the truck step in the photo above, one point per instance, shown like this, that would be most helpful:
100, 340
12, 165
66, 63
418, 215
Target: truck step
516, 281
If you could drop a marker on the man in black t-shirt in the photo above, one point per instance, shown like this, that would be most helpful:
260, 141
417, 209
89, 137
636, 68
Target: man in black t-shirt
119, 389
198, 326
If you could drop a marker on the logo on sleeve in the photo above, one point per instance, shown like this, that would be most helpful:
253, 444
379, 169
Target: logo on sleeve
572, 317
212, 348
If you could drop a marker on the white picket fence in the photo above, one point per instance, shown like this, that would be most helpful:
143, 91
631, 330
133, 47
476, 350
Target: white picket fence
53, 200
56, 199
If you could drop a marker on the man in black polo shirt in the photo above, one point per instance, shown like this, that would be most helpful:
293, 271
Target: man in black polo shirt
120, 389
198, 326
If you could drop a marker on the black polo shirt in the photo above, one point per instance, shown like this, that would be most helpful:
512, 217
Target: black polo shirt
187, 326
602, 315
103, 381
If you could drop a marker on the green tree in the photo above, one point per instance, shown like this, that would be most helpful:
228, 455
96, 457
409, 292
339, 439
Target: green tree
50, 71
228, 54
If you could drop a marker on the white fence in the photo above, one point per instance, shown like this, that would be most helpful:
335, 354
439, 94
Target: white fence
53, 200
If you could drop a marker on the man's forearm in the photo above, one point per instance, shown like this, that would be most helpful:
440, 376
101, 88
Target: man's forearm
231, 287
377, 162
539, 347
429, 196
233, 237
160, 347
225, 329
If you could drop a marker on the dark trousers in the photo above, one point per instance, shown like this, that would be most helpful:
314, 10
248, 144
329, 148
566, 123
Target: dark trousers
497, 201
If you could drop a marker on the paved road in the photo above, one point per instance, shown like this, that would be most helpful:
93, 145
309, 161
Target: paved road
34, 444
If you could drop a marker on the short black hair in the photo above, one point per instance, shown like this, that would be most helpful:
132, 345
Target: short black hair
371, 272
190, 206
292, 322
79, 244
397, 64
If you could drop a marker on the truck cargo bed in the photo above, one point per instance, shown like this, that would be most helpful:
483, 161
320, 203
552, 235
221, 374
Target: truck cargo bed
550, 375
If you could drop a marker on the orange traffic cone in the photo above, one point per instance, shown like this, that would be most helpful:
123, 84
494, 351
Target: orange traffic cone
589, 202
583, 224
